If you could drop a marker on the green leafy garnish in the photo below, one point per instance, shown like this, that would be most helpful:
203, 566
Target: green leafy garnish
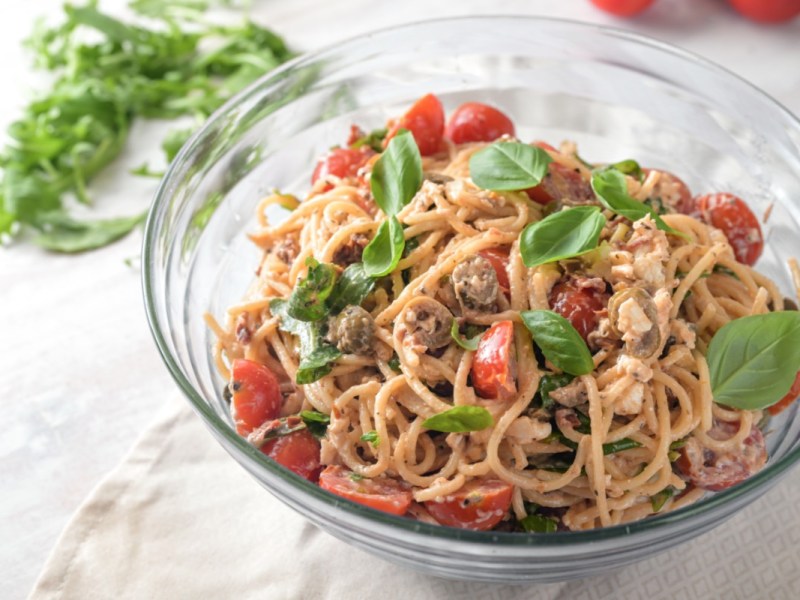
559, 341
317, 363
397, 174
307, 300
316, 422
373, 139
660, 499
394, 363
539, 524
565, 234
620, 445
753, 360
509, 166
549, 383
460, 419
61, 233
385, 250
629, 167
371, 437
469, 343
352, 287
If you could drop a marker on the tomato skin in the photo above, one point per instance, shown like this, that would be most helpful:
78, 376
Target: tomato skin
493, 366
767, 11
256, 395
298, 452
425, 121
622, 8
341, 162
476, 122
787, 400
479, 505
499, 259
386, 495
579, 305
732, 215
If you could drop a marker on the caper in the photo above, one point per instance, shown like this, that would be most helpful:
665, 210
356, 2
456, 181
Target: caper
646, 343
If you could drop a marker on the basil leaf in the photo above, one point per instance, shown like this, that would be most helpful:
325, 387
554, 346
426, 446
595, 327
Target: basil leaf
611, 189
509, 166
307, 300
538, 524
549, 383
460, 419
397, 174
558, 340
754, 360
660, 499
373, 139
352, 287
317, 364
629, 167
620, 445
383, 253
465, 343
371, 437
567, 233
316, 422
62, 233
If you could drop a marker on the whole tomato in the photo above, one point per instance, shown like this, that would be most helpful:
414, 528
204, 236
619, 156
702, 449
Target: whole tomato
767, 11
623, 8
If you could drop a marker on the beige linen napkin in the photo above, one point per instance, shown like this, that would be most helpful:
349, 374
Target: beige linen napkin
179, 519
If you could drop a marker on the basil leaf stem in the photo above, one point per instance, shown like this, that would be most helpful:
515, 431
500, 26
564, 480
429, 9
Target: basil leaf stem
565, 234
460, 419
385, 250
509, 166
397, 174
559, 341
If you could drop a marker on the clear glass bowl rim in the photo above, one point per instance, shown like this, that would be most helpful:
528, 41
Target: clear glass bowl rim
155, 220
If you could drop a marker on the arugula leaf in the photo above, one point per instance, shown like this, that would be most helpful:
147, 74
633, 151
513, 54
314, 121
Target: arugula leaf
470, 343
383, 253
565, 234
460, 419
549, 383
611, 189
753, 360
64, 234
373, 139
539, 524
558, 340
509, 166
371, 437
352, 287
307, 300
316, 422
397, 174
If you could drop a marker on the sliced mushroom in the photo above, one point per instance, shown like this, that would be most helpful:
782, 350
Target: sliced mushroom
428, 324
353, 331
475, 283
634, 317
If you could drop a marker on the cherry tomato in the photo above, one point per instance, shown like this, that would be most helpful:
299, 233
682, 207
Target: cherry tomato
425, 121
672, 191
382, 494
341, 162
476, 122
499, 259
298, 452
494, 370
712, 470
560, 182
767, 11
480, 505
622, 8
578, 304
732, 215
256, 395
787, 400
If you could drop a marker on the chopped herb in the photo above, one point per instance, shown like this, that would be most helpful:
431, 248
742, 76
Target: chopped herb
658, 500
356, 477
723, 270
468, 343
620, 445
371, 437
394, 363
373, 139
316, 422
539, 524
549, 383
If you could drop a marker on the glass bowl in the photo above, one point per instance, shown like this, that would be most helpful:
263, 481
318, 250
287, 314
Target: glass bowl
618, 95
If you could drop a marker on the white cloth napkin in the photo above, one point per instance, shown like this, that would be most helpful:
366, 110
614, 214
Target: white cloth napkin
179, 519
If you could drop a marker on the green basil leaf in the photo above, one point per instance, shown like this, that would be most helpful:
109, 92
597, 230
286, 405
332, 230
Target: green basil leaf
460, 419
352, 287
371, 437
611, 189
629, 167
549, 383
61, 233
316, 422
509, 166
373, 139
567, 233
754, 360
660, 499
465, 343
558, 340
397, 174
383, 253
539, 524
307, 300
317, 363
620, 445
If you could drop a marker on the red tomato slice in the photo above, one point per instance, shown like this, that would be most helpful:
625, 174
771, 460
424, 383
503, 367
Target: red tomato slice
732, 215
767, 11
341, 162
476, 122
298, 452
787, 400
578, 304
382, 494
256, 395
480, 505
494, 369
560, 182
498, 257
425, 121
622, 8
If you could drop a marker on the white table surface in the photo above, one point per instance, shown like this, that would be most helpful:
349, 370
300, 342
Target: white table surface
81, 377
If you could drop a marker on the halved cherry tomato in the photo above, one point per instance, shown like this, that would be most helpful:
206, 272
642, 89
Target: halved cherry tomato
382, 494
476, 122
256, 395
298, 452
787, 400
499, 259
425, 121
672, 191
578, 304
494, 369
732, 215
341, 162
480, 505
767, 11
622, 8
560, 182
